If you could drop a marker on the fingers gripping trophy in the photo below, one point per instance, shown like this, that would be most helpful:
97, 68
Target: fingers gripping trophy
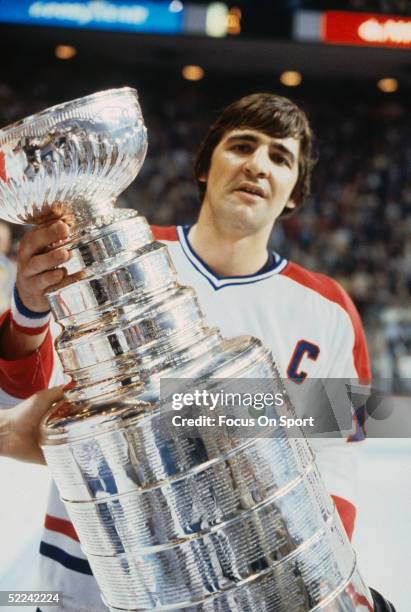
213, 523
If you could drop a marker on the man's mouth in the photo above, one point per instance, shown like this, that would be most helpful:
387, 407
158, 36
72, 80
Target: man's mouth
254, 190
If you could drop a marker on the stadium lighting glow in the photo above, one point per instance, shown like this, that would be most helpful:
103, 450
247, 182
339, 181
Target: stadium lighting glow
234, 21
65, 52
291, 78
175, 6
388, 85
217, 19
193, 73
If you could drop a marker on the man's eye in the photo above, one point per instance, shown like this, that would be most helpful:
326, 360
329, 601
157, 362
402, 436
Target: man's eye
242, 148
280, 160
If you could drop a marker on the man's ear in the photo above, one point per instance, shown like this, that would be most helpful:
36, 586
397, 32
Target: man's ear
290, 205
202, 178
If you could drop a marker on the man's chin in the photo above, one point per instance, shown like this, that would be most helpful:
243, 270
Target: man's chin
244, 219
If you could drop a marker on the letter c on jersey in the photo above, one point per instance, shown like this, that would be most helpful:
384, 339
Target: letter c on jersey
302, 349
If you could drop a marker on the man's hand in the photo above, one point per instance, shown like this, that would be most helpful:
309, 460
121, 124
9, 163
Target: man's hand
36, 267
36, 273
19, 426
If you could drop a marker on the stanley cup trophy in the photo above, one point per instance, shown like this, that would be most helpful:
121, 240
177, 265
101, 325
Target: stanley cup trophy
215, 522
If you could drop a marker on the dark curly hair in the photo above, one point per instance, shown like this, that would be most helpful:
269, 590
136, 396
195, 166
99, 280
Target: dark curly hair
274, 115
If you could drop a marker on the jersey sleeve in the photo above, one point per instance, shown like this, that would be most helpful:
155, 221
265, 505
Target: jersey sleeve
339, 459
20, 378
164, 233
354, 362
350, 358
338, 463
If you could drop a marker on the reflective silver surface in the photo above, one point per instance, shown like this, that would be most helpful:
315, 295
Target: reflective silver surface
178, 313
126, 234
217, 522
72, 159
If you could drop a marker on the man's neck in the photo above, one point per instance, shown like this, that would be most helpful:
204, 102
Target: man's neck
227, 255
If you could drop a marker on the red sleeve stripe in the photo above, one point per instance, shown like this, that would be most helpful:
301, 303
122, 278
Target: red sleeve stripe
331, 290
29, 331
164, 233
21, 378
4, 318
52, 523
361, 600
347, 513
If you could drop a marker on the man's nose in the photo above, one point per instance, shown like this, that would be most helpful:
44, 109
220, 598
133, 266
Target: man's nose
258, 163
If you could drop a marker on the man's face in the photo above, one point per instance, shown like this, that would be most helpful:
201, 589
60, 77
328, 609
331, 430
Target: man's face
250, 181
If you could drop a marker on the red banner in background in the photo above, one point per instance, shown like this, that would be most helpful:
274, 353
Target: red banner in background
347, 28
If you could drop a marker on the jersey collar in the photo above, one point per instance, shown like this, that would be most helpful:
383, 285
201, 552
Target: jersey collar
218, 282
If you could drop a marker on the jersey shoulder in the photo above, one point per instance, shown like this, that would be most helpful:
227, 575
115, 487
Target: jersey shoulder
322, 284
331, 290
168, 233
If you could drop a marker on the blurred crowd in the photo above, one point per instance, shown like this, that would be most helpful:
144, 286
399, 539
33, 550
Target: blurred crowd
356, 225
392, 7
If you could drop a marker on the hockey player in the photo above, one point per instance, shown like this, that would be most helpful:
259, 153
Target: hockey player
252, 169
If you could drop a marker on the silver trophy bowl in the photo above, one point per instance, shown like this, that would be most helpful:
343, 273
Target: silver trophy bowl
73, 159
214, 521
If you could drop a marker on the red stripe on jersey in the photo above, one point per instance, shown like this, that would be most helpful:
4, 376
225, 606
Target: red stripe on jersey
29, 331
347, 513
358, 599
23, 377
164, 233
52, 523
331, 290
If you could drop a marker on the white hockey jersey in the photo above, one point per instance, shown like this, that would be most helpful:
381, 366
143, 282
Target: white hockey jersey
305, 318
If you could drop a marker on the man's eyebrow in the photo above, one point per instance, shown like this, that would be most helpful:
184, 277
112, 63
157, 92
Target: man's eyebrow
242, 136
252, 138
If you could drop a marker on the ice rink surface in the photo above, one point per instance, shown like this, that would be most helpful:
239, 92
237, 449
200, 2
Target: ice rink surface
382, 540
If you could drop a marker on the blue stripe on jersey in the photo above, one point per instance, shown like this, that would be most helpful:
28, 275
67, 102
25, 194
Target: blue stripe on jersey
251, 282
216, 287
276, 261
278, 264
73, 563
